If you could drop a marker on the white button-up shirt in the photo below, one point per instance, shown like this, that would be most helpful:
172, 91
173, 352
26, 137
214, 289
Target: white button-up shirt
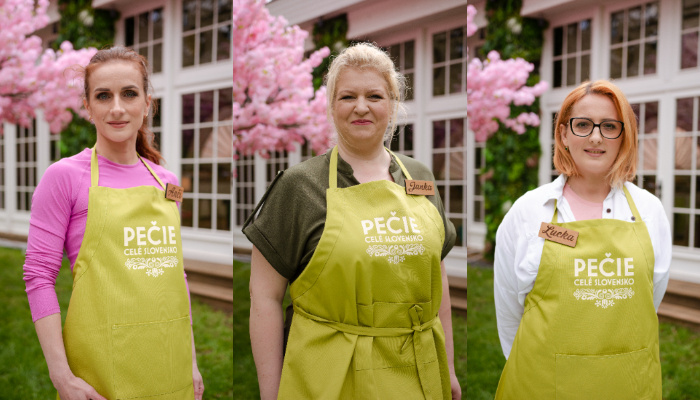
519, 248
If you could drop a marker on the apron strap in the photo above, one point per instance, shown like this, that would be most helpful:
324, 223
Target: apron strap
633, 207
95, 170
333, 168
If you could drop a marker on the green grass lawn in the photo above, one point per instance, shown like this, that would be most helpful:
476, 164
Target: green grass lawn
23, 371
679, 347
245, 379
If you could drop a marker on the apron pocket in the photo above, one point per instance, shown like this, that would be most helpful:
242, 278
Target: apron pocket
152, 358
617, 376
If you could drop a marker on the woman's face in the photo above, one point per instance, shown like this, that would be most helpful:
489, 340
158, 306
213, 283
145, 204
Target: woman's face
116, 101
361, 107
593, 155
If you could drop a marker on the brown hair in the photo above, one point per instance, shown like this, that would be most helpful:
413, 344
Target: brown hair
368, 55
625, 166
144, 140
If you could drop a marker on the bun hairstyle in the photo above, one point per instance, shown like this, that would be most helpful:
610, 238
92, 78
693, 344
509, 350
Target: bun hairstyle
368, 56
625, 166
145, 146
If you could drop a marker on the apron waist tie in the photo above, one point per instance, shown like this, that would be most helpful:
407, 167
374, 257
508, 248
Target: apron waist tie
420, 333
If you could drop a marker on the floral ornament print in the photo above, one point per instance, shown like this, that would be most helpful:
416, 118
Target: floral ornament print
154, 266
604, 297
395, 253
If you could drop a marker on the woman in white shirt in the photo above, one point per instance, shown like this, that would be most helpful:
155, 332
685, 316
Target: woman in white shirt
582, 264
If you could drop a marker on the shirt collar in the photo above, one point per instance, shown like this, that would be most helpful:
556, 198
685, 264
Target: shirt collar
555, 190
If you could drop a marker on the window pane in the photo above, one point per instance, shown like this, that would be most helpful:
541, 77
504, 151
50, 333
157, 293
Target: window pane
206, 143
456, 133
461, 231
571, 38
650, 184
697, 194
205, 178
616, 63
224, 143
186, 212
439, 166
439, 134
157, 18
558, 41
691, 9
457, 165
224, 179
571, 71
225, 104
408, 137
456, 78
408, 54
204, 209
188, 143
143, 27
633, 60
395, 54
439, 81
206, 106
205, 47
650, 58
585, 67
649, 150
617, 24
188, 108
585, 34
224, 13
458, 199
683, 153
223, 215
697, 167
557, 73
651, 17
456, 43
144, 52
223, 44
651, 117
681, 229
188, 177
409, 86
188, 49
189, 14
439, 44
682, 192
634, 23
684, 115
157, 61
689, 50
206, 13
129, 31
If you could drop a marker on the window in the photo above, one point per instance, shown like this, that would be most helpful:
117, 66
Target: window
278, 161
633, 38
245, 188
207, 151
689, 33
475, 42
648, 117
206, 30
402, 140
26, 165
144, 33
155, 124
450, 170
403, 55
450, 62
479, 164
572, 54
686, 200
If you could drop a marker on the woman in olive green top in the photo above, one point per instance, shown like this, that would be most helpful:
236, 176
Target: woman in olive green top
371, 309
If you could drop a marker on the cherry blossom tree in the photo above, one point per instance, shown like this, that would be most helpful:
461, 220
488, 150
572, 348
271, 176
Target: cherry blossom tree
493, 85
32, 78
274, 105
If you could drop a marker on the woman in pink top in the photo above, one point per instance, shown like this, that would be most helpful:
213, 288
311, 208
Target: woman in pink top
74, 193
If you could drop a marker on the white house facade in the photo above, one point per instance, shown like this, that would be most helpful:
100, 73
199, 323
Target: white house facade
427, 40
650, 50
188, 44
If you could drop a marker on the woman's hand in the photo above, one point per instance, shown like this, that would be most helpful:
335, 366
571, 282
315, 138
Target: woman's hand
74, 388
456, 390
198, 382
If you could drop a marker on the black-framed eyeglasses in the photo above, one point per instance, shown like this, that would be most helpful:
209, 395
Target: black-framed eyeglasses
583, 127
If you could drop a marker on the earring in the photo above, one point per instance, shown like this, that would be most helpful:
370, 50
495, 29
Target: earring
566, 148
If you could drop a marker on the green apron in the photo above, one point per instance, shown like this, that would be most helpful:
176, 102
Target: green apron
127, 331
366, 306
589, 329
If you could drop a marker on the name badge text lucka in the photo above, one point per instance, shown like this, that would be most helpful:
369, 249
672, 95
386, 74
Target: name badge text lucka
558, 234
416, 187
173, 192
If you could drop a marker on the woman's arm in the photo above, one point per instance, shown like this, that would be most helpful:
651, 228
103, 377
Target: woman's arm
267, 289
69, 387
197, 380
445, 314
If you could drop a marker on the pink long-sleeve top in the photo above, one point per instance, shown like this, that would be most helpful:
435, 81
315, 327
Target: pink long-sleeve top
59, 215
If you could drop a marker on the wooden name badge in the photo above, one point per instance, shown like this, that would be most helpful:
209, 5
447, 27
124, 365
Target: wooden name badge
173, 192
558, 234
424, 188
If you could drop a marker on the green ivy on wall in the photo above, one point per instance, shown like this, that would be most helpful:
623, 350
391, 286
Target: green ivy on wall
511, 160
83, 26
331, 33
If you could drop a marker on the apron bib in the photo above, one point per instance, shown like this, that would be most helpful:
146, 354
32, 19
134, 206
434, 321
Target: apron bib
127, 331
366, 306
589, 329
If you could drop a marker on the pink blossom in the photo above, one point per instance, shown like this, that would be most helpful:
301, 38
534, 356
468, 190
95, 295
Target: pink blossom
32, 78
495, 84
275, 106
